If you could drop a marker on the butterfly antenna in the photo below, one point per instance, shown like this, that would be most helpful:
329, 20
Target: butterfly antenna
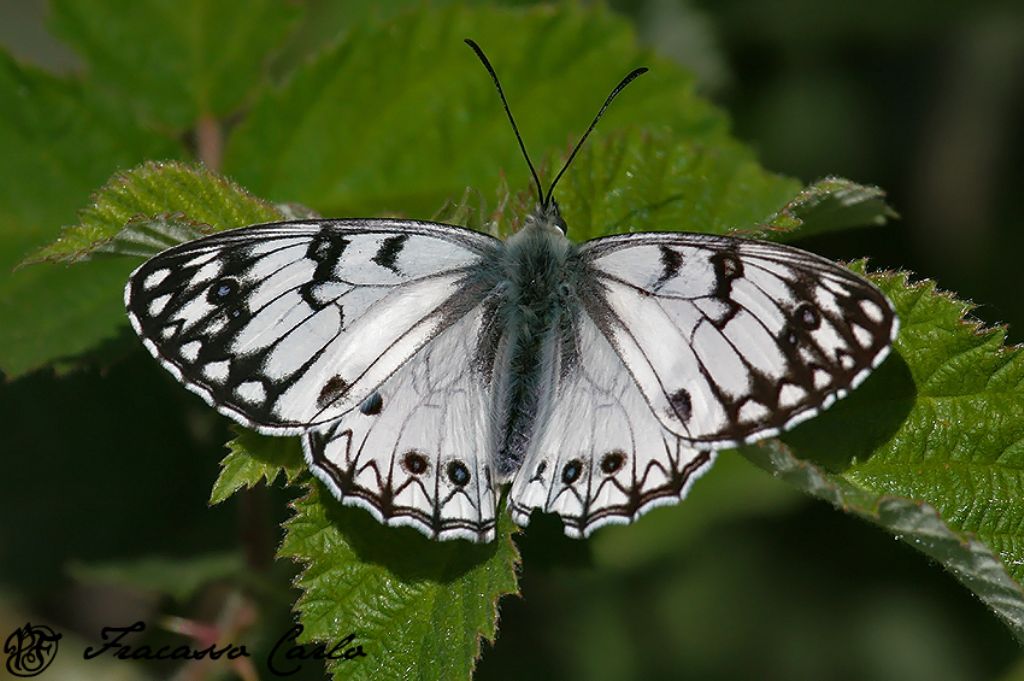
508, 112
615, 93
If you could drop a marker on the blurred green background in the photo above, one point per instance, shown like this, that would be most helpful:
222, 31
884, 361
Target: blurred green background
745, 580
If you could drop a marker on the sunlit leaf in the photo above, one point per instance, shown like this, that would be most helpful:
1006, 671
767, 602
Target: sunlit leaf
175, 61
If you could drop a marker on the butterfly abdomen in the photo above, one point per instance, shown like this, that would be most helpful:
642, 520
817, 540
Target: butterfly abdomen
532, 308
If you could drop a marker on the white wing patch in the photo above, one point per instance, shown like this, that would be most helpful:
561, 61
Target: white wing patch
599, 455
419, 450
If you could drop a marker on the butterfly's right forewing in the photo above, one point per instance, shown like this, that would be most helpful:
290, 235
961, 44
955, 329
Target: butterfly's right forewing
289, 325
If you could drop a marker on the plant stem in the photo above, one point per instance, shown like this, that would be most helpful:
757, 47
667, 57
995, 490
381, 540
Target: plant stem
209, 142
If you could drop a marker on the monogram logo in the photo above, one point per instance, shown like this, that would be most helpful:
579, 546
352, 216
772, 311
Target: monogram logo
30, 649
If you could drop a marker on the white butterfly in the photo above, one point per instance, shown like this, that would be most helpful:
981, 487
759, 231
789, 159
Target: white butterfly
426, 365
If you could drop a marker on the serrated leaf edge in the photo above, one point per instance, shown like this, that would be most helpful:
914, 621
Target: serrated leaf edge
1008, 604
120, 180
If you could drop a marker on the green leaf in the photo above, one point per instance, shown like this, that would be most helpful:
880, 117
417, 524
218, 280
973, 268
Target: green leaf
828, 205
253, 459
657, 179
154, 194
176, 61
60, 142
180, 578
403, 117
654, 179
930, 446
142, 237
418, 607
323, 23
916, 522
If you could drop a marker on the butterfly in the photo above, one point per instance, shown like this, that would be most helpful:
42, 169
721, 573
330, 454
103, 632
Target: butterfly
426, 366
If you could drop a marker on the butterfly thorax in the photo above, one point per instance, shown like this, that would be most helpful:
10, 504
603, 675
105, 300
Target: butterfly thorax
535, 276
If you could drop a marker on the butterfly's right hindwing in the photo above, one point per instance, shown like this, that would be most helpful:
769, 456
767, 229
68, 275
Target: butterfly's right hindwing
288, 325
419, 450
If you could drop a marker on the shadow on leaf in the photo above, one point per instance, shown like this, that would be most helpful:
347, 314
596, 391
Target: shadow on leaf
856, 427
403, 551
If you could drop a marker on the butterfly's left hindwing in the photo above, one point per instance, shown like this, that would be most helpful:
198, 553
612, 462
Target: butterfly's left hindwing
288, 325
599, 455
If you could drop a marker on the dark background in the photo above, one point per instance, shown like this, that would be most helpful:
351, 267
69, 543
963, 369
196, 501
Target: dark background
924, 99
